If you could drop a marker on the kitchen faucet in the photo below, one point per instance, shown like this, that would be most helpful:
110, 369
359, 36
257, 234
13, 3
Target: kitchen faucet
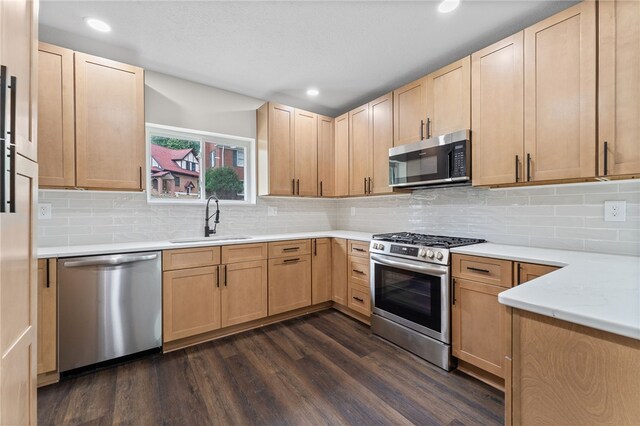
208, 231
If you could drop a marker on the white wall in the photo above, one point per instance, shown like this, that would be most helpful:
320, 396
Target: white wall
175, 102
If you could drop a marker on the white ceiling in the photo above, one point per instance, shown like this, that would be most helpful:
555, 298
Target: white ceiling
275, 50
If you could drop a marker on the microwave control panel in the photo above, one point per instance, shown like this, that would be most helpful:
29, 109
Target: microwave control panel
459, 161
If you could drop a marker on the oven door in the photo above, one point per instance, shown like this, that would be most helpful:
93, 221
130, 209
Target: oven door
414, 294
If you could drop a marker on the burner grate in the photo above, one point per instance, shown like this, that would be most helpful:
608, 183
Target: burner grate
437, 241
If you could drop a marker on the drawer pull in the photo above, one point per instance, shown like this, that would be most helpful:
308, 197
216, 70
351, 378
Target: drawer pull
359, 299
291, 249
358, 271
297, 259
484, 271
359, 249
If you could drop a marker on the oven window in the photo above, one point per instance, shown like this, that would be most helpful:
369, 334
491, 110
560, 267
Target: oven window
413, 296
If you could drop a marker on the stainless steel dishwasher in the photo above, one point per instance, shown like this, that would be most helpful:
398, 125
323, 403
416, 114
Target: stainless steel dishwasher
108, 307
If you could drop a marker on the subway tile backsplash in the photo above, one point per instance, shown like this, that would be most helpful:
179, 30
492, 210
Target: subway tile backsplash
564, 217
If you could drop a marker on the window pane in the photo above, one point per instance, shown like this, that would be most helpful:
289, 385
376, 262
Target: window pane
175, 169
224, 170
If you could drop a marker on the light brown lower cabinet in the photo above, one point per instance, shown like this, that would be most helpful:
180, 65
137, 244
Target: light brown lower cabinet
191, 302
479, 324
289, 283
244, 292
321, 270
569, 374
339, 268
47, 316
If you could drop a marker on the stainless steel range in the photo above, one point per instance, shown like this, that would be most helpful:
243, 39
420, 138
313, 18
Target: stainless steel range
411, 296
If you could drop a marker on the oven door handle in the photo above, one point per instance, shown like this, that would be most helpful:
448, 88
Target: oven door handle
411, 265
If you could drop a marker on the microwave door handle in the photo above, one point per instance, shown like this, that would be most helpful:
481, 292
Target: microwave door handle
425, 269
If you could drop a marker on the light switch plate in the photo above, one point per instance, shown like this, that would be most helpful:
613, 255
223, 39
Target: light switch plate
44, 211
615, 211
272, 211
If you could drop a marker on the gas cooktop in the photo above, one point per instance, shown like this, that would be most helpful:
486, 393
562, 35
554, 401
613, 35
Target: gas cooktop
435, 241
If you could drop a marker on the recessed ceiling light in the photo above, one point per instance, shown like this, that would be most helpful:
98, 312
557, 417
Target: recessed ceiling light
447, 6
98, 25
313, 92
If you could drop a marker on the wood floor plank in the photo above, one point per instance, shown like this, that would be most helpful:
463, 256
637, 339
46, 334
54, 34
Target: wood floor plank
320, 369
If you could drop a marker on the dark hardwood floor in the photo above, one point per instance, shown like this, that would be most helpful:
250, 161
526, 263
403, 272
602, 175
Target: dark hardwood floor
324, 368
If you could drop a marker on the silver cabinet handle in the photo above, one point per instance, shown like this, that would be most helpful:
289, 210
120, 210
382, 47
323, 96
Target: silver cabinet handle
109, 260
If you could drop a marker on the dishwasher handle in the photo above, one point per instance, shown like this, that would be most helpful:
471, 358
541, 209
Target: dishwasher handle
109, 260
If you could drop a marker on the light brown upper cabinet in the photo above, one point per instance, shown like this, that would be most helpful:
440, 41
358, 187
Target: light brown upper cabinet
498, 102
326, 147
288, 150
56, 133
18, 52
449, 99
560, 95
381, 134
619, 87
110, 147
359, 150
342, 155
371, 136
275, 149
409, 112
305, 153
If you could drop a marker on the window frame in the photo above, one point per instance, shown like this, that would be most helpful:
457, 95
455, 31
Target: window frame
249, 145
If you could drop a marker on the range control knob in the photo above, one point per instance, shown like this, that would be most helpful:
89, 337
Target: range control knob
430, 254
439, 255
381, 246
422, 253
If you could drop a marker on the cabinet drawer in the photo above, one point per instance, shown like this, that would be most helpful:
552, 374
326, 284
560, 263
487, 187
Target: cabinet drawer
190, 258
359, 299
358, 248
244, 253
482, 269
359, 271
289, 248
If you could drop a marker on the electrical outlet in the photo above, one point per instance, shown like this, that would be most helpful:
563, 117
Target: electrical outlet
272, 211
353, 211
44, 211
615, 211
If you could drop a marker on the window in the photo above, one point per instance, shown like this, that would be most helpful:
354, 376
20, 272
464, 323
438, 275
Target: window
188, 166
238, 158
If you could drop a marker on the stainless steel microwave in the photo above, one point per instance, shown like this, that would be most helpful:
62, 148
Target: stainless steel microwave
443, 160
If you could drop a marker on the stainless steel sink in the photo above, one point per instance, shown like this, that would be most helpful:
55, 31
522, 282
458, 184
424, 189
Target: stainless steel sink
205, 239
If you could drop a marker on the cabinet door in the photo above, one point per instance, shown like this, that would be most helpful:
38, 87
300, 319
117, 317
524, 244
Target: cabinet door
244, 292
321, 271
190, 302
18, 304
339, 270
529, 271
56, 150
19, 44
306, 153
409, 112
289, 283
110, 144
342, 155
381, 134
560, 94
619, 86
479, 324
47, 316
281, 150
449, 99
359, 150
498, 103
326, 170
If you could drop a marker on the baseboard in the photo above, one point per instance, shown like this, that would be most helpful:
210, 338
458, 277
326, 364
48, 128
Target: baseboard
50, 378
353, 314
478, 373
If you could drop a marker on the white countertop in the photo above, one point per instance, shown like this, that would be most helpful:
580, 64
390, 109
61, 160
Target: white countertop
601, 291
88, 250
